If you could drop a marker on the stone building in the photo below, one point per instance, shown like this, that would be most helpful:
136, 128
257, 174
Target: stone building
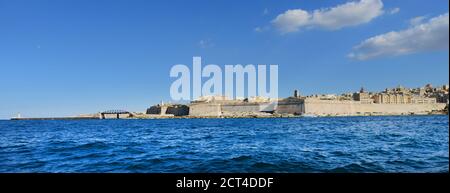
441, 94
363, 97
402, 95
422, 100
384, 98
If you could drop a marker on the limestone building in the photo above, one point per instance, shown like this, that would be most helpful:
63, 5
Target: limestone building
363, 97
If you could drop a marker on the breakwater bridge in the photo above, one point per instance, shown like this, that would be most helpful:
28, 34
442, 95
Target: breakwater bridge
114, 112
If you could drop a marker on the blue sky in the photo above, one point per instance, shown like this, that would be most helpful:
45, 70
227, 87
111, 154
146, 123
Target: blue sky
61, 58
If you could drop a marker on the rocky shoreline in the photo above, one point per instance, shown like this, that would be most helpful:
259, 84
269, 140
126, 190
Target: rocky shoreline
234, 116
249, 115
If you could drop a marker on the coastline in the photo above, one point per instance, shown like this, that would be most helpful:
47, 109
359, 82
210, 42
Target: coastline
398, 101
287, 116
229, 116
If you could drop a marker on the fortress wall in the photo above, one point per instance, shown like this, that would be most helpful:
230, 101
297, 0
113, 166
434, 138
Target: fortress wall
214, 109
239, 108
401, 108
154, 110
268, 107
205, 109
331, 108
316, 107
290, 108
178, 110
354, 108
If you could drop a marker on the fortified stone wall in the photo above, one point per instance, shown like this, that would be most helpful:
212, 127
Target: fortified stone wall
401, 108
218, 109
178, 110
316, 107
154, 110
290, 108
240, 108
330, 107
204, 109
355, 108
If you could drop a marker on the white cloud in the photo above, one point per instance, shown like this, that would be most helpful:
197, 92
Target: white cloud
394, 11
348, 14
417, 20
292, 20
427, 36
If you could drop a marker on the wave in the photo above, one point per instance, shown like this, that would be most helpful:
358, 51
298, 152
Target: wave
93, 145
364, 167
242, 158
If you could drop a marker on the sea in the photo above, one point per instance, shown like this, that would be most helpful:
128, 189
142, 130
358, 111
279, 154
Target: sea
369, 144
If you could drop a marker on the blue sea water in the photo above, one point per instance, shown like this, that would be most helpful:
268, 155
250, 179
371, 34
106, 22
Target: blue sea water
328, 144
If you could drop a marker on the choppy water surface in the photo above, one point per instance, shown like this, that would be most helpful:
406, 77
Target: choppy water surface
340, 144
